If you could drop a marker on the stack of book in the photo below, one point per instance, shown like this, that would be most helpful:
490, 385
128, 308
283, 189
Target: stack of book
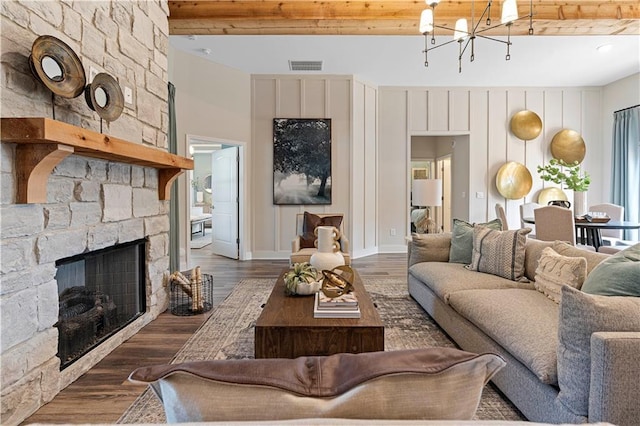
345, 306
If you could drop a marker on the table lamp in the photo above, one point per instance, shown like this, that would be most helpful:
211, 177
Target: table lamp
426, 193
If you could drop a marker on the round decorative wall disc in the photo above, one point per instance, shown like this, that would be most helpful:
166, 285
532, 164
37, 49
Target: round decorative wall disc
526, 125
55, 64
567, 145
513, 180
551, 194
104, 96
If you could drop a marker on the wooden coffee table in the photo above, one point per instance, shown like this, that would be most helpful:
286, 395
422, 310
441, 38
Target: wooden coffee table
287, 329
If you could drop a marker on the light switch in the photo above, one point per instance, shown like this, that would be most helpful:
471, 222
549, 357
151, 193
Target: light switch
128, 95
479, 194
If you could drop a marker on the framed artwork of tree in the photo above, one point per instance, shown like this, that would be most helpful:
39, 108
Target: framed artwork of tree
301, 161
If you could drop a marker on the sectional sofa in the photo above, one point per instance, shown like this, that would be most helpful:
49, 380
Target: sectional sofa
575, 361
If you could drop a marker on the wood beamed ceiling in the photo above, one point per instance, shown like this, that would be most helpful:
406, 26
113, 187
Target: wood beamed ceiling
391, 17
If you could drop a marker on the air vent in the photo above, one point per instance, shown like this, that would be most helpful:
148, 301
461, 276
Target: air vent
305, 65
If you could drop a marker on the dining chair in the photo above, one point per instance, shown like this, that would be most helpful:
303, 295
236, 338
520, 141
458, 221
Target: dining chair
554, 223
502, 216
526, 210
612, 237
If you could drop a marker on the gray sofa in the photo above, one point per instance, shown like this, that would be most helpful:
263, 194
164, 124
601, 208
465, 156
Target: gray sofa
486, 313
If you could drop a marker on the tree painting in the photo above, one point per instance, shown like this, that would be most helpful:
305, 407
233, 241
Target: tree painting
301, 161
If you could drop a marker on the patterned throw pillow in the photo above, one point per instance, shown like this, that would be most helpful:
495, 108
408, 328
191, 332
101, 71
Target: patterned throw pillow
555, 270
462, 239
499, 253
311, 222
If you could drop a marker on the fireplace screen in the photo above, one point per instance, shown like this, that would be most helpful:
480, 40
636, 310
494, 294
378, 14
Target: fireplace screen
99, 293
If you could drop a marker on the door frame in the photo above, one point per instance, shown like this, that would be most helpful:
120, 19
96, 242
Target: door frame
242, 191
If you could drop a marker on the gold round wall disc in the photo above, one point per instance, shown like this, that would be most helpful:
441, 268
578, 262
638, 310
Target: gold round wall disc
513, 180
567, 145
551, 194
526, 125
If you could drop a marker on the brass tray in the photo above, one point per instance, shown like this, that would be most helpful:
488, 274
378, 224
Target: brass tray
581, 219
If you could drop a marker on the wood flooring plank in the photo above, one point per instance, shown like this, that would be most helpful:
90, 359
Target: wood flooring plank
103, 394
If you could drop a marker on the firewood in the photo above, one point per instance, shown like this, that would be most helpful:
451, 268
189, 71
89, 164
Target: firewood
182, 281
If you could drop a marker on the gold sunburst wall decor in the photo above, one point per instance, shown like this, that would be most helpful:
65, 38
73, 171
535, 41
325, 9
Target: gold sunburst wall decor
526, 125
513, 180
567, 145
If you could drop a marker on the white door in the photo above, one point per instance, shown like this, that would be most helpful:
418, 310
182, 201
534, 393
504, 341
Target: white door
224, 188
444, 171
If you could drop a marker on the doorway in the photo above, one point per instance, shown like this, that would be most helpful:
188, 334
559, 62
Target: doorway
213, 221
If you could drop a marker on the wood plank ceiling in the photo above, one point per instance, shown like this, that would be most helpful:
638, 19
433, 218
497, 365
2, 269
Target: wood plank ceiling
392, 17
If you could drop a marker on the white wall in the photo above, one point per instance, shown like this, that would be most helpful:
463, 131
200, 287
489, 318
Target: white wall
351, 106
213, 101
483, 114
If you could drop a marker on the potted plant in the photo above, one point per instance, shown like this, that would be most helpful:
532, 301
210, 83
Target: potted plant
571, 177
301, 280
198, 186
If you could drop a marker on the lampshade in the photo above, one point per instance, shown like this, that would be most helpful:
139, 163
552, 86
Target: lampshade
426, 21
462, 30
509, 11
426, 192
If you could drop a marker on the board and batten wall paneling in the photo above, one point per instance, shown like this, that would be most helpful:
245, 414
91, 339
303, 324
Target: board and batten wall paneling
393, 166
490, 142
318, 96
263, 215
370, 171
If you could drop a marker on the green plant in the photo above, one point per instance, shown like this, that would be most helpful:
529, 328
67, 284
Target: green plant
197, 184
301, 273
558, 171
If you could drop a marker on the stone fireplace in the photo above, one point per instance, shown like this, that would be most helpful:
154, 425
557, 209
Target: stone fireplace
85, 202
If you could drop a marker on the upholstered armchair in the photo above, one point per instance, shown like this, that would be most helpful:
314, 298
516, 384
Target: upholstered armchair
302, 246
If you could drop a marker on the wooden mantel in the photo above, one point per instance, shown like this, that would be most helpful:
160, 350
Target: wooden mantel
42, 143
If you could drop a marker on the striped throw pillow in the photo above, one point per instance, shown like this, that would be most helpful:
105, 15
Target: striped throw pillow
499, 253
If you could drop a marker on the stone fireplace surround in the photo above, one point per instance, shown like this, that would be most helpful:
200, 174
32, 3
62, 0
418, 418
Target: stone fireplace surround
91, 204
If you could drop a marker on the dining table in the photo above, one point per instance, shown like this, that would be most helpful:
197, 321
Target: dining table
589, 233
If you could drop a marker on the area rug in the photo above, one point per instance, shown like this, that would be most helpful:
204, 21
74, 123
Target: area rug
229, 334
199, 241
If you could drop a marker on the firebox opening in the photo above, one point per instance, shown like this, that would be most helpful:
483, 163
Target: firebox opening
99, 293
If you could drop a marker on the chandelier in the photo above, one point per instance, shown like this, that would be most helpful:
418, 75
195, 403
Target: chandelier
466, 37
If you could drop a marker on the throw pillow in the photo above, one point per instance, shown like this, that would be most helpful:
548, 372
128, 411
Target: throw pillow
593, 257
617, 276
429, 248
311, 222
499, 253
432, 383
462, 239
555, 270
580, 316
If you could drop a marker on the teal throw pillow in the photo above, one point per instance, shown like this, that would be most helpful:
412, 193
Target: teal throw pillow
462, 239
619, 275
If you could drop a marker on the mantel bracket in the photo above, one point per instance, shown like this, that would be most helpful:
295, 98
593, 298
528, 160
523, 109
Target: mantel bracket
34, 164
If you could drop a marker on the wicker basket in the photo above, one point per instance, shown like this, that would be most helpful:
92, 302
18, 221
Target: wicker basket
182, 304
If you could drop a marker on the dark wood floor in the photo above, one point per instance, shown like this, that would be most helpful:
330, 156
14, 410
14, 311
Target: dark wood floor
103, 394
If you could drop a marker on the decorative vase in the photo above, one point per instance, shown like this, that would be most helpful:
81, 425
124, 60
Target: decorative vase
328, 255
199, 196
580, 207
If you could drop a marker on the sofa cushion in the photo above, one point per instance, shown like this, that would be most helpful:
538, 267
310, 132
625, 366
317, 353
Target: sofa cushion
524, 322
617, 276
593, 258
581, 315
532, 253
462, 239
447, 278
499, 252
555, 270
429, 248
433, 383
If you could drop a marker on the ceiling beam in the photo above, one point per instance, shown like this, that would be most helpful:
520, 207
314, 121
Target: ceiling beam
392, 17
